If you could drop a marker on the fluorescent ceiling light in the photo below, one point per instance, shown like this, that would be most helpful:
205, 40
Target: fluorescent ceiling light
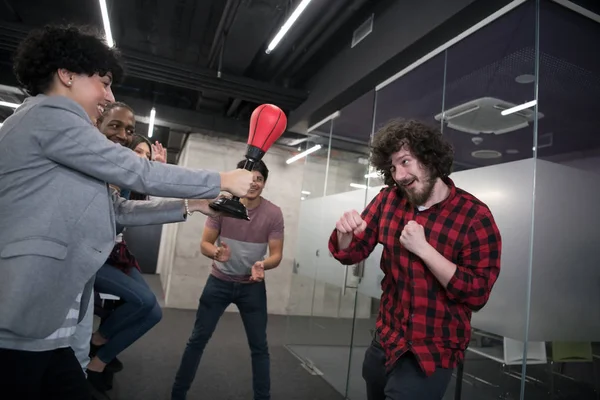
372, 175
519, 107
305, 192
11, 89
7, 104
151, 124
302, 198
106, 22
303, 154
287, 25
358, 186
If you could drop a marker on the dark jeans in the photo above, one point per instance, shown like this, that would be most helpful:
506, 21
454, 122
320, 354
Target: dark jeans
406, 381
251, 300
131, 320
30, 375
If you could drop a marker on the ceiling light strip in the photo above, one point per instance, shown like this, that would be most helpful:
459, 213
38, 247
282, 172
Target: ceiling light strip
287, 25
151, 124
303, 154
106, 22
7, 104
518, 108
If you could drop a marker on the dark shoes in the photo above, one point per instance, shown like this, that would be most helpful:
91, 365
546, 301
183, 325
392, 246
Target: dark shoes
96, 395
114, 366
101, 382
97, 385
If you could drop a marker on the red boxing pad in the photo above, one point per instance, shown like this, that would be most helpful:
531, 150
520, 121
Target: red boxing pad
267, 124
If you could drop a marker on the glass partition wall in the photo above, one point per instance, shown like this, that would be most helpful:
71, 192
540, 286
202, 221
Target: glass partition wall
489, 74
564, 306
516, 96
324, 301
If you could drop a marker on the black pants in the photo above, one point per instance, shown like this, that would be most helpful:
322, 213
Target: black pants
54, 374
406, 381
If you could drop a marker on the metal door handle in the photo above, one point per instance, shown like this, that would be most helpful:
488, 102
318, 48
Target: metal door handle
345, 280
359, 270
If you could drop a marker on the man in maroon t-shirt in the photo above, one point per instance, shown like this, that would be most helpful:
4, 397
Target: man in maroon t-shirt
237, 277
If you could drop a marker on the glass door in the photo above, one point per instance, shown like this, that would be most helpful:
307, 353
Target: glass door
323, 301
402, 98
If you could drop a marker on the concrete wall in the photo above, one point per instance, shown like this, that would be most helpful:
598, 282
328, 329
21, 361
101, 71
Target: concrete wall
184, 270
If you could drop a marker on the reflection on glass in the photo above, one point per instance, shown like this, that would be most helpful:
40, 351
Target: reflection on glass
323, 339
565, 300
539, 335
302, 286
490, 119
417, 95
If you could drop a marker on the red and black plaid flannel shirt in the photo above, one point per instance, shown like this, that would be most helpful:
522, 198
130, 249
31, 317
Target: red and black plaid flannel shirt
416, 313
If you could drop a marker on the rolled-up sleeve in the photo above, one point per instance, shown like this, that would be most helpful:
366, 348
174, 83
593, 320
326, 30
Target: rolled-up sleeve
479, 264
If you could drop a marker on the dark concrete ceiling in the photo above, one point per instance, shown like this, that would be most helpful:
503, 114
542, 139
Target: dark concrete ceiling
498, 62
202, 64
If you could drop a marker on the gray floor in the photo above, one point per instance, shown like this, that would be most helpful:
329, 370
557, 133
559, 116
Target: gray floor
328, 360
326, 343
225, 373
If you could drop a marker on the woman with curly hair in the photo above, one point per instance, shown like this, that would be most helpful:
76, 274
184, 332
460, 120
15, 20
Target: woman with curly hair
57, 212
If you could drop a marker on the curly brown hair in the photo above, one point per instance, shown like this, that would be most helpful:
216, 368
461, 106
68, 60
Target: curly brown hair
79, 49
423, 141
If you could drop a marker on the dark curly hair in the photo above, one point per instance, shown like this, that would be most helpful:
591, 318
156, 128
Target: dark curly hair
425, 143
259, 166
110, 106
80, 50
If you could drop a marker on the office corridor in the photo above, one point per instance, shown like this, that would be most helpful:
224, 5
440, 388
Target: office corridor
225, 371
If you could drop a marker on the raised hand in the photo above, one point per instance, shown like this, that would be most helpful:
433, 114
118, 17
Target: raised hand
348, 225
237, 182
413, 238
351, 223
222, 253
159, 153
258, 272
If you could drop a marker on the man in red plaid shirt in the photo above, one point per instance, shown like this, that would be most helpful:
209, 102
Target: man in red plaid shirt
441, 258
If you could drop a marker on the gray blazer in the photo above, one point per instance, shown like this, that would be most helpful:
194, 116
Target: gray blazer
57, 214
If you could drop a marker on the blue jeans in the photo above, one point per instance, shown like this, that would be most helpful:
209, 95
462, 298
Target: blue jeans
251, 300
406, 380
131, 320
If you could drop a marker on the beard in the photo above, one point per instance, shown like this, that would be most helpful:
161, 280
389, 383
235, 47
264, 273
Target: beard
418, 196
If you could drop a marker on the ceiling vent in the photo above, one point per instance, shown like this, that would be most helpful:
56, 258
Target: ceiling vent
484, 116
362, 31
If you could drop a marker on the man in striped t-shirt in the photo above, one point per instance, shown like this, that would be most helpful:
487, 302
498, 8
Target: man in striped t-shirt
237, 277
